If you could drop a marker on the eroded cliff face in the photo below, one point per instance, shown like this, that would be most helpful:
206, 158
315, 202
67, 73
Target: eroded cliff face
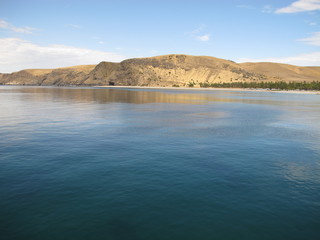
170, 70
164, 71
48, 77
21, 78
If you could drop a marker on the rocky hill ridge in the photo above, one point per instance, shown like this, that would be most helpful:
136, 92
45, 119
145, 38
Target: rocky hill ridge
164, 71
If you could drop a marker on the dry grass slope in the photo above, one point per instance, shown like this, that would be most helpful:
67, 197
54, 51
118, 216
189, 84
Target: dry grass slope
284, 72
167, 70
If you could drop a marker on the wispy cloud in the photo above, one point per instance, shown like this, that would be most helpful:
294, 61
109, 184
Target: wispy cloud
200, 34
308, 59
204, 38
99, 40
313, 40
74, 26
310, 23
267, 9
198, 30
300, 6
17, 54
6, 25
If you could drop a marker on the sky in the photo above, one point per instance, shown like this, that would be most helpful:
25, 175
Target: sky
50, 34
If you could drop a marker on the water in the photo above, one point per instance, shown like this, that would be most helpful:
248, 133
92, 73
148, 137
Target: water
90, 163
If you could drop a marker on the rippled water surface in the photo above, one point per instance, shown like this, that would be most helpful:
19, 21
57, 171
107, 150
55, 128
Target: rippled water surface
137, 164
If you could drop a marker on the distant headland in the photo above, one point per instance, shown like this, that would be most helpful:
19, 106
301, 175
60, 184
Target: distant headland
174, 70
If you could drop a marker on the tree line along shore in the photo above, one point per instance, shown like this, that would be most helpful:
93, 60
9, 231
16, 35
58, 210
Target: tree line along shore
281, 85
305, 86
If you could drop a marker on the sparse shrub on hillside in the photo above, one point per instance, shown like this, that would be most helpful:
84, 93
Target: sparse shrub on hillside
281, 85
191, 84
205, 85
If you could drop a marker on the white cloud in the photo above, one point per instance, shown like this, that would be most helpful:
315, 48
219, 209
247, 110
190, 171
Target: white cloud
300, 6
313, 40
199, 34
309, 59
198, 30
9, 26
17, 54
204, 38
310, 23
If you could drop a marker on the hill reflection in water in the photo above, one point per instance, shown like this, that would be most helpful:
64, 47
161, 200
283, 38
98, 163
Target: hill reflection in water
144, 96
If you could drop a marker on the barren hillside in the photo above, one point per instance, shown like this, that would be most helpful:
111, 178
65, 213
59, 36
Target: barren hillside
167, 70
284, 72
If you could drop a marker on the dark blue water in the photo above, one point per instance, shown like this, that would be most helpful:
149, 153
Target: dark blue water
85, 163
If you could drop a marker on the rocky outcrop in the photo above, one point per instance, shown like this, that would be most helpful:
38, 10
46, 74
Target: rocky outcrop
179, 70
167, 70
22, 78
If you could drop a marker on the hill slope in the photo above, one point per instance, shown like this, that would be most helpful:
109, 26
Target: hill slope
284, 72
59, 76
167, 70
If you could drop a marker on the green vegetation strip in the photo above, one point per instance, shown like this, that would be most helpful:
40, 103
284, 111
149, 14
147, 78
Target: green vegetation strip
315, 85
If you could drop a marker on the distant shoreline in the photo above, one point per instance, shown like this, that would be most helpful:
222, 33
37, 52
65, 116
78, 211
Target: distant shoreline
219, 89
178, 88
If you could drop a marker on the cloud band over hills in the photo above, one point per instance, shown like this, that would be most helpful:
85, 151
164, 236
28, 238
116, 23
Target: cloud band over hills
17, 54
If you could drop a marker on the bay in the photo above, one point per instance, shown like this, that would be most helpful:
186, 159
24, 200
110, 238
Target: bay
107, 163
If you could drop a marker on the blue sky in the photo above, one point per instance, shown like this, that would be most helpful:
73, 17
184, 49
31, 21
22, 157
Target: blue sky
48, 34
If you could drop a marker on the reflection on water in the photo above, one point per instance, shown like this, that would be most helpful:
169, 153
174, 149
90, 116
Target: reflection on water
96, 163
300, 173
211, 114
288, 114
110, 95
143, 96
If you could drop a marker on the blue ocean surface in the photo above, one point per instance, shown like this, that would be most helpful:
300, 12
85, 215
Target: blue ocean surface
158, 164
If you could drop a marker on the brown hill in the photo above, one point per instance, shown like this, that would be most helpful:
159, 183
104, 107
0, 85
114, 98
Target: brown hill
167, 70
284, 72
59, 76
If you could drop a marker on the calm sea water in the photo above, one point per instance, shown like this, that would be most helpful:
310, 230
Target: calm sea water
118, 164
